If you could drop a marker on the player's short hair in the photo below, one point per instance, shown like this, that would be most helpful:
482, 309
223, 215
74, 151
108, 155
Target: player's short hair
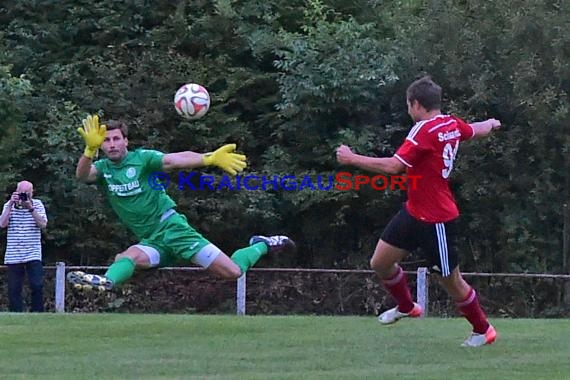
426, 92
118, 124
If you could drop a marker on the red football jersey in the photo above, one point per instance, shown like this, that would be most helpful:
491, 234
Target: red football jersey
429, 152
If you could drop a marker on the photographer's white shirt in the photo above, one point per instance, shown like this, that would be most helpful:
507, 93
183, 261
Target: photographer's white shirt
24, 241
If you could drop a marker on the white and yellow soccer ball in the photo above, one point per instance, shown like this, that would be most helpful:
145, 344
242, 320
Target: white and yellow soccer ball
192, 101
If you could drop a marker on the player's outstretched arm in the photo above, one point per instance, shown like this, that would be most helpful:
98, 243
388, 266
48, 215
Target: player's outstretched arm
85, 171
387, 165
483, 128
93, 134
225, 158
182, 160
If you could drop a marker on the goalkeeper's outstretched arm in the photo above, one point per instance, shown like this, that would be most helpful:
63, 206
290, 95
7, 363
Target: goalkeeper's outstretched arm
182, 160
225, 158
93, 134
85, 171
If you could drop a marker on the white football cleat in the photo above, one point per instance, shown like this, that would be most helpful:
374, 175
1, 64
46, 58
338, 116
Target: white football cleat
478, 340
394, 315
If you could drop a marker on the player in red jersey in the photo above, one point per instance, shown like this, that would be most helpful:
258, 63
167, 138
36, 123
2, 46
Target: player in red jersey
428, 218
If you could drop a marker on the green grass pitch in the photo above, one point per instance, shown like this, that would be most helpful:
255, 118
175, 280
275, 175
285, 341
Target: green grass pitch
137, 346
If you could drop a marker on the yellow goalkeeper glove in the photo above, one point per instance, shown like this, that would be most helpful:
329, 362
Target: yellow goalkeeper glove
93, 134
226, 159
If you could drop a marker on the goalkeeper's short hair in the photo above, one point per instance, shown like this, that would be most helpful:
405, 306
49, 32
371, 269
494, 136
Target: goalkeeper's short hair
118, 124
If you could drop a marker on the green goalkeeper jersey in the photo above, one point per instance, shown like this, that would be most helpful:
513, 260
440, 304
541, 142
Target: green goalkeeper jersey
126, 184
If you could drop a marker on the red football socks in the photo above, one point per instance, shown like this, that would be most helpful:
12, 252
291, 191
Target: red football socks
472, 311
398, 287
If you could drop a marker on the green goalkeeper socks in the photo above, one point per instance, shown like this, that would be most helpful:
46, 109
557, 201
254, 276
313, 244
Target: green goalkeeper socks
121, 270
245, 258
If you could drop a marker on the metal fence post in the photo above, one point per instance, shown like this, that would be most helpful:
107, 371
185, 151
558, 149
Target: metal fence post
422, 290
60, 288
240, 295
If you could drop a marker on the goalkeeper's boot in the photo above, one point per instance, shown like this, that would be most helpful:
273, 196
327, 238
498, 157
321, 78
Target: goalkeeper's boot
477, 340
85, 281
275, 244
394, 315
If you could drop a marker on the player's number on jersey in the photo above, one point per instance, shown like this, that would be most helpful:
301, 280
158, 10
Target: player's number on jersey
449, 153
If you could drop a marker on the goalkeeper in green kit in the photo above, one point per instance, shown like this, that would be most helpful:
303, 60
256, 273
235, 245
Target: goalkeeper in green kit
164, 235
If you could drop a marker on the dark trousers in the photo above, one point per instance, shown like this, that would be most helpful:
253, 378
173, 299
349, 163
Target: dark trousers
16, 274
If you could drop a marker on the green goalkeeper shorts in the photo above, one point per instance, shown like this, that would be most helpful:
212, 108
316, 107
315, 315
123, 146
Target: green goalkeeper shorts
175, 240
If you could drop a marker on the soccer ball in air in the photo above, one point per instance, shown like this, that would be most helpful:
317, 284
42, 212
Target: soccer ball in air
192, 101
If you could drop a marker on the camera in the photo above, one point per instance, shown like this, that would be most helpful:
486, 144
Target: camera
23, 196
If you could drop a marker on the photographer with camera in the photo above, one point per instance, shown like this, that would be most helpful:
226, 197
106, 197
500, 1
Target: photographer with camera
25, 217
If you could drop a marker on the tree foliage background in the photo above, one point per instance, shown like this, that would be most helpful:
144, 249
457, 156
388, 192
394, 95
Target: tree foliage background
290, 81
